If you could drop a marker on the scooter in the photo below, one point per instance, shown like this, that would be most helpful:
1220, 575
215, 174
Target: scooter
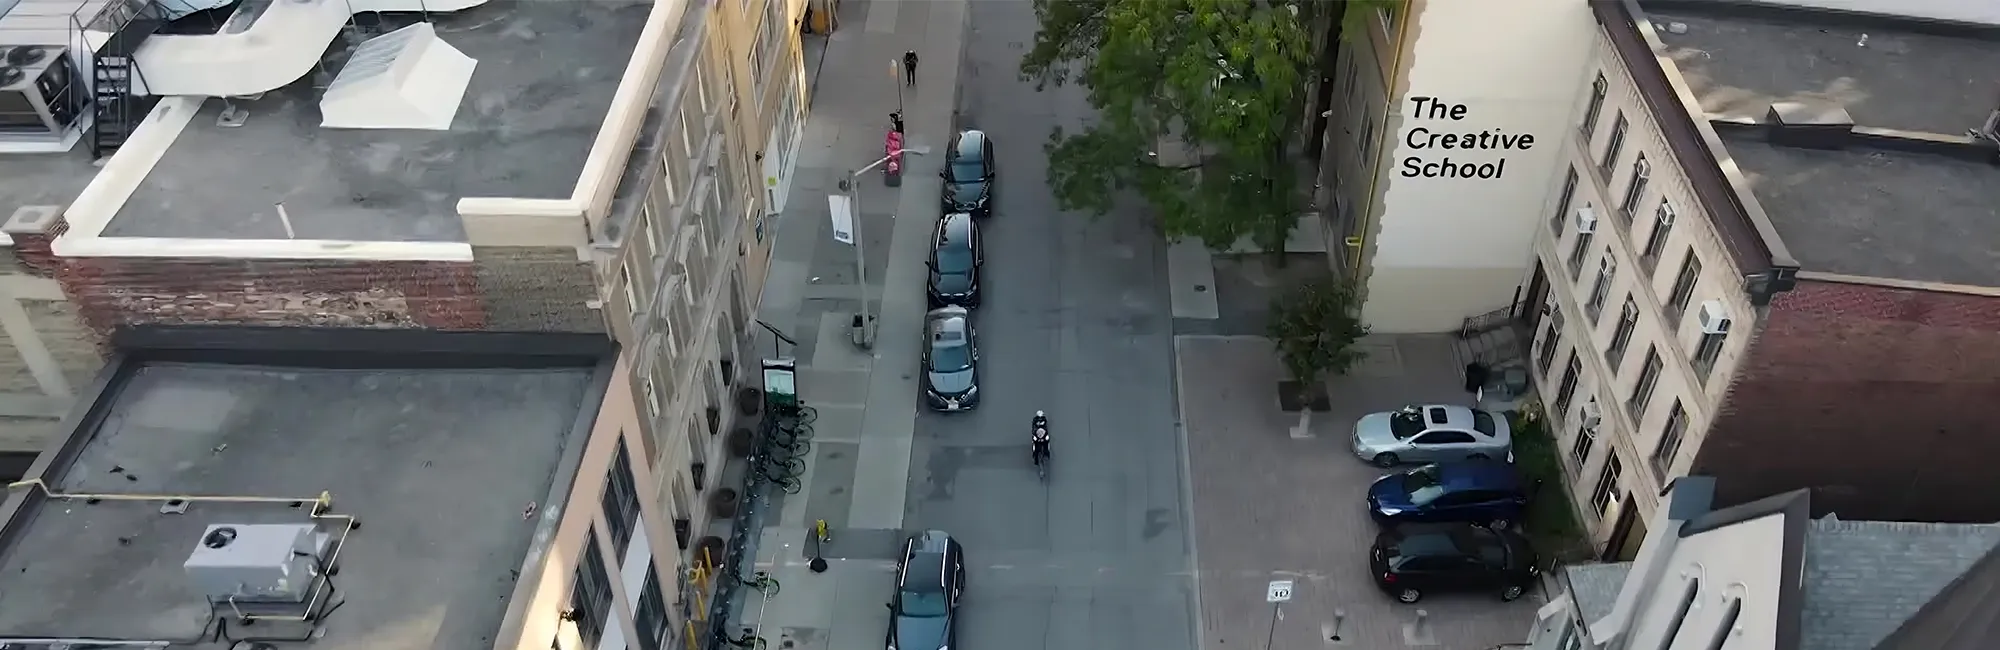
892, 146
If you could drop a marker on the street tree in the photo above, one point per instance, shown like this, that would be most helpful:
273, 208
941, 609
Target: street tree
1221, 80
1314, 325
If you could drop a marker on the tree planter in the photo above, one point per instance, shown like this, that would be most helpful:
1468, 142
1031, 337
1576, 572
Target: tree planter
1293, 397
749, 401
722, 503
708, 551
741, 442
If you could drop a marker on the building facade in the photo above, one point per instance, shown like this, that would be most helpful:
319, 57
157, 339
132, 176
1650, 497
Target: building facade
1434, 151
639, 212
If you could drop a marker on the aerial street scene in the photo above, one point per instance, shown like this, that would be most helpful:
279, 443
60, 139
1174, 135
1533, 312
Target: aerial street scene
999, 324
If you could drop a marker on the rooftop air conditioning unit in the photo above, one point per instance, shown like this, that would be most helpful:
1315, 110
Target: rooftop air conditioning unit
1592, 416
1586, 220
267, 563
1714, 317
36, 89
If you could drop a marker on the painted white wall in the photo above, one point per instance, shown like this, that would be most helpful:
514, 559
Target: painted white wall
1448, 248
1970, 11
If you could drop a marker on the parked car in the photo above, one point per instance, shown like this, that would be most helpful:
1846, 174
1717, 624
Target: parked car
1432, 433
1477, 491
930, 577
968, 174
1415, 559
951, 360
956, 257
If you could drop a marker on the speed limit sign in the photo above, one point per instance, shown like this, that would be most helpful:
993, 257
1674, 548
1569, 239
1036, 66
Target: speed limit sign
1279, 591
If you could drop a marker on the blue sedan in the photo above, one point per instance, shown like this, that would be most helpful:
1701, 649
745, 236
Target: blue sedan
1482, 492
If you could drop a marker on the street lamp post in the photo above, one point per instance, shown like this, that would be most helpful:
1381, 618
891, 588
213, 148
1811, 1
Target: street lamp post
896, 79
850, 223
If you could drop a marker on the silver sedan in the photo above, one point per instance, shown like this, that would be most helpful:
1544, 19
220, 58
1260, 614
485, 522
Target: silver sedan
1432, 433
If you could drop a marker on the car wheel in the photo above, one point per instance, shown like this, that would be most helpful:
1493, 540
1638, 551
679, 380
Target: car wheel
1477, 457
1409, 595
1498, 524
1386, 460
1512, 592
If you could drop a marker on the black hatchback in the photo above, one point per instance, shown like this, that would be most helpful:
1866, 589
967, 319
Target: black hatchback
1411, 560
930, 576
956, 256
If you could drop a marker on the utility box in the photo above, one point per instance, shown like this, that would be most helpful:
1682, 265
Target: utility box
268, 563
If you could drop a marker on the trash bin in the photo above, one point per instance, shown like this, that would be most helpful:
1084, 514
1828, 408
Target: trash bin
858, 329
1476, 375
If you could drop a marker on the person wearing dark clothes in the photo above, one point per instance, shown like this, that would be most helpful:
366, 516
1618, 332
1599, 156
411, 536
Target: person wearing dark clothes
896, 121
910, 67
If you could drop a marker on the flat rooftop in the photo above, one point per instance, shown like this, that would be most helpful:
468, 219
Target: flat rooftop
438, 465
1865, 211
546, 75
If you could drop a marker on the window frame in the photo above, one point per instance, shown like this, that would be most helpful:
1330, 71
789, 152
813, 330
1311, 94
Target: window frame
1635, 188
1621, 336
1583, 446
1649, 381
1606, 491
1563, 203
1672, 433
1600, 90
652, 617
1579, 252
1614, 146
590, 593
620, 500
1681, 293
1566, 388
1607, 272
1707, 351
1656, 240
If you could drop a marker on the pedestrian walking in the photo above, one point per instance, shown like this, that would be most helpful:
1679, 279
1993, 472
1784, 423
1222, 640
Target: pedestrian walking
910, 67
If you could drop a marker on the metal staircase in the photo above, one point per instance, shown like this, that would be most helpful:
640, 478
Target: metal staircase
116, 110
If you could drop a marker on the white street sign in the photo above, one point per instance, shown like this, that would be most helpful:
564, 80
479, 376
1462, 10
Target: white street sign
1279, 591
842, 212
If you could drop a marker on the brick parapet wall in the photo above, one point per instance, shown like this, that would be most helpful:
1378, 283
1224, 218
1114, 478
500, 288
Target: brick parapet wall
1875, 397
110, 292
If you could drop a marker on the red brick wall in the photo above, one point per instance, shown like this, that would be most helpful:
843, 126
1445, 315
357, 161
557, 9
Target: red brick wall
1881, 400
109, 292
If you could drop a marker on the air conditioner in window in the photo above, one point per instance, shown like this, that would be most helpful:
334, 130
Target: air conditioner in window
1607, 265
1592, 416
1666, 214
1714, 317
1631, 310
1586, 220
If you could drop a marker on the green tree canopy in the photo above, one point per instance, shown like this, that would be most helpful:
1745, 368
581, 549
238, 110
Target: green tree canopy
1224, 77
1314, 326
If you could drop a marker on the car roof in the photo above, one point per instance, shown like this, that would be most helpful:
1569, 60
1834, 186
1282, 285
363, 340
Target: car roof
1455, 416
948, 326
1478, 475
1433, 540
918, 565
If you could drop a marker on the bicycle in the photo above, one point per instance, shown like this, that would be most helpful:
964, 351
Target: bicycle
800, 415
790, 484
748, 640
774, 468
762, 582
788, 447
801, 432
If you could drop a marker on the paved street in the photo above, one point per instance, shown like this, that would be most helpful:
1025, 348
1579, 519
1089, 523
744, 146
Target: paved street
1080, 320
1271, 506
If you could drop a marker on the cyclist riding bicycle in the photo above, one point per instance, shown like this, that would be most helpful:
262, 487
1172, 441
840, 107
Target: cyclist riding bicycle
1041, 438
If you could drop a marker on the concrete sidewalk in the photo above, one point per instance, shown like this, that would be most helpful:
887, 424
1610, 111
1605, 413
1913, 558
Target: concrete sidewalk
858, 470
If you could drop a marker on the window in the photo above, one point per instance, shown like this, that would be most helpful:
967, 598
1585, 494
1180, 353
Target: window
1670, 441
1579, 449
1683, 289
1348, 77
1642, 172
1606, 492
621, 501
1649, 377
590, 594
1562, 203
653, 405
701, 88
1388, 11
693, 132
1567, 390
1598, 88
673, 181
655, 629
1628, 319
1663, 225
1483, 422
1607, 268
1367, 137
1445, 438
1707, 349
1614, 146
1681, 612
1551, 337
1578, 252
631, 289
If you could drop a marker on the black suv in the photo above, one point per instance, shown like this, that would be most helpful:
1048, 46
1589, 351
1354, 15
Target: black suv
1412, 559
951, 360
968, 174
956, 255
929, 578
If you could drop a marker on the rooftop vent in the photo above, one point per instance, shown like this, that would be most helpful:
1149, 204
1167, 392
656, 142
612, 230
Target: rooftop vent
270, 563
1810, 125
22, 56
405, 79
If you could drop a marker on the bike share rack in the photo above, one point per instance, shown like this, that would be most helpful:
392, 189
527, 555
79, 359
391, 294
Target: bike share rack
781, 442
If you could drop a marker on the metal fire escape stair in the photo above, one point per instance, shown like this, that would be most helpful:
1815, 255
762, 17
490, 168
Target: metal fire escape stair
117, 111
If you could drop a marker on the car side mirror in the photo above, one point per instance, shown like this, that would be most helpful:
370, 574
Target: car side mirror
891, 606
944, 174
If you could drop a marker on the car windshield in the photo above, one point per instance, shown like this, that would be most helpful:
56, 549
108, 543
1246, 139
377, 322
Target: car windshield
967, 170
954, 260
1404, 425
1483, 422
951, 357
923, 604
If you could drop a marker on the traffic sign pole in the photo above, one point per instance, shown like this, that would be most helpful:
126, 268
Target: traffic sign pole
1276, 594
